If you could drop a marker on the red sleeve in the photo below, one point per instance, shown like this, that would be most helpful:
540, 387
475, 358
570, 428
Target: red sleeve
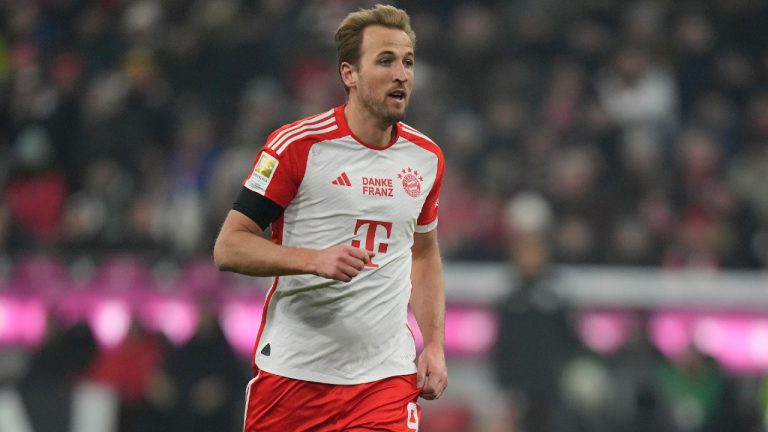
280, 165
278, 176
429, 211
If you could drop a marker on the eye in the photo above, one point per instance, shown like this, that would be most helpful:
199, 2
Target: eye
385, 61
408, 62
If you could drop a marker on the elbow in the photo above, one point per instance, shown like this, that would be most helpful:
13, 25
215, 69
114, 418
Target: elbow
221, 257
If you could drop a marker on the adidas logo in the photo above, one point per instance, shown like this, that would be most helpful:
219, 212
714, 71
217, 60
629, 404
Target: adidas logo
342, 180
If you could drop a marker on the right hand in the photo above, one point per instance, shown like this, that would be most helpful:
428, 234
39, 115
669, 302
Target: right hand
342, 262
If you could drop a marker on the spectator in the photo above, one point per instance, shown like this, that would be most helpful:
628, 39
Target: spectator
145, 352
535, 336
591, 116
206, 378
54, 371
36, 190
642, 126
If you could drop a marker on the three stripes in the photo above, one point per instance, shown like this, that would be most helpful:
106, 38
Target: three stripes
321, 123
342, 180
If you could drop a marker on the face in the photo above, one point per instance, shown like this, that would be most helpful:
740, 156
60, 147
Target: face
383, 79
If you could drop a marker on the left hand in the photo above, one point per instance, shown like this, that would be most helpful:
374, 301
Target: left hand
432, 373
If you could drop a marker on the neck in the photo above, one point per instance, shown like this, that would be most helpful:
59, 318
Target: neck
365, 126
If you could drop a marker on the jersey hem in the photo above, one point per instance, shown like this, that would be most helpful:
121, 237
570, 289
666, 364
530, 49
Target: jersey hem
304, 375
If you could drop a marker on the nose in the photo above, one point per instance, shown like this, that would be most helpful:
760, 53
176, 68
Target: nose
401, 73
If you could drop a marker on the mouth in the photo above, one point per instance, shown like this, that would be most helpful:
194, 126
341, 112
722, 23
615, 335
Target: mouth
398, 95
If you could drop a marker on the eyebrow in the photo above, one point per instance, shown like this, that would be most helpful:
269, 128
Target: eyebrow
390, 52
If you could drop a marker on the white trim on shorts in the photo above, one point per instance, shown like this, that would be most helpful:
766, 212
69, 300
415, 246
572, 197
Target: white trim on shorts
248, 396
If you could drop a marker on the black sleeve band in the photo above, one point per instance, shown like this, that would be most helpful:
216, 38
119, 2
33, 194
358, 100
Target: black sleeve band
259, 208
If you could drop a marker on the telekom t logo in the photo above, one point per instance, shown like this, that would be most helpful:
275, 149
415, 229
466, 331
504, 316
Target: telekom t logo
370, 236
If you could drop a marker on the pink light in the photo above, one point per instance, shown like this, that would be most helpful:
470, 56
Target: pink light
76, 306
6, 318
710, 335
415, 330
176, 319
240, 322
725, 338
31, 322
468, 331
22, 321
670, 334
758, 344
604, 332
736, 341
110, 322
735, 353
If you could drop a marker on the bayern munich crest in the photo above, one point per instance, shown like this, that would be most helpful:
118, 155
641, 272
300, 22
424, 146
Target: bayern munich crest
411, 181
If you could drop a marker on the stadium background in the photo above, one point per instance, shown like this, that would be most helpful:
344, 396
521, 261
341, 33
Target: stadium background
605, 165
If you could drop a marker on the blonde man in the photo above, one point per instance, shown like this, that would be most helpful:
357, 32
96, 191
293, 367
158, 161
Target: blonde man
351, 195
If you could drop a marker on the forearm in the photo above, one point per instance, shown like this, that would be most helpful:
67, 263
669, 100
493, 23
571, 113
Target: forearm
428, 298
242, 248
247, 253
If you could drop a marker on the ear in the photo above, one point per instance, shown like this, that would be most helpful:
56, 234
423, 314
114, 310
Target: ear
348, 74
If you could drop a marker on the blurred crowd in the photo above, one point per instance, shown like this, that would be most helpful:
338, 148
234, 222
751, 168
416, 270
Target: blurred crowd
639, 127
552, 377
591, 131
143, 384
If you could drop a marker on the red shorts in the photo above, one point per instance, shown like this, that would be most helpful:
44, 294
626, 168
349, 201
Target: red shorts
276, 403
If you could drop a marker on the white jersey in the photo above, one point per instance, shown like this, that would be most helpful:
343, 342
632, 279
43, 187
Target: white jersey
335, 190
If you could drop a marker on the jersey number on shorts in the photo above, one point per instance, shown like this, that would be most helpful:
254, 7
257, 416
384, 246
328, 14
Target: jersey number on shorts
413, 416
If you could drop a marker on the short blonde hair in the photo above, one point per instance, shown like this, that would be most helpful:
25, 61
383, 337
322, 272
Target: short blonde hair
349, 35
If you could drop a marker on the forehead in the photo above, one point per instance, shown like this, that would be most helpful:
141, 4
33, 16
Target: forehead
378, 38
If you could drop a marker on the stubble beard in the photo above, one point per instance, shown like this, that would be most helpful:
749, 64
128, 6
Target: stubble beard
379, 110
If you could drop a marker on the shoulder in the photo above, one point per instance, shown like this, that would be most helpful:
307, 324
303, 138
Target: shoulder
301, 134
420, 139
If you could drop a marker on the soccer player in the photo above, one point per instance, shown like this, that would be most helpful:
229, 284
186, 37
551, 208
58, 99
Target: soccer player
351, 195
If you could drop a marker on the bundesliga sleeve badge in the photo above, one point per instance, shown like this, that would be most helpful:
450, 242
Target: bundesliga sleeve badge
262, 173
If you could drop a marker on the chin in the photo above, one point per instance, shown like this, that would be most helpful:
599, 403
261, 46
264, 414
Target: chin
397, 115
393, 118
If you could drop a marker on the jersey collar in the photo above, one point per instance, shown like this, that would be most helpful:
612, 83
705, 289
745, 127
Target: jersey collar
344, 127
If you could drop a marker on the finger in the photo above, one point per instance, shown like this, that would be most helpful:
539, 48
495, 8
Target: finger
342, 273
428, 396
421, 377
434, 388
341, 277
430, 385
363, 255
349, 270
440, 387
369, 256
352, 262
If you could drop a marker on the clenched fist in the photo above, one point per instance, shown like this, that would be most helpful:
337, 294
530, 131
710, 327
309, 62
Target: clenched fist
342, 262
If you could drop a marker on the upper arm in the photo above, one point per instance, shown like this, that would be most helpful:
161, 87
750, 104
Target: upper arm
427, 220
425, 245
237, 221
228, 243
262, 210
